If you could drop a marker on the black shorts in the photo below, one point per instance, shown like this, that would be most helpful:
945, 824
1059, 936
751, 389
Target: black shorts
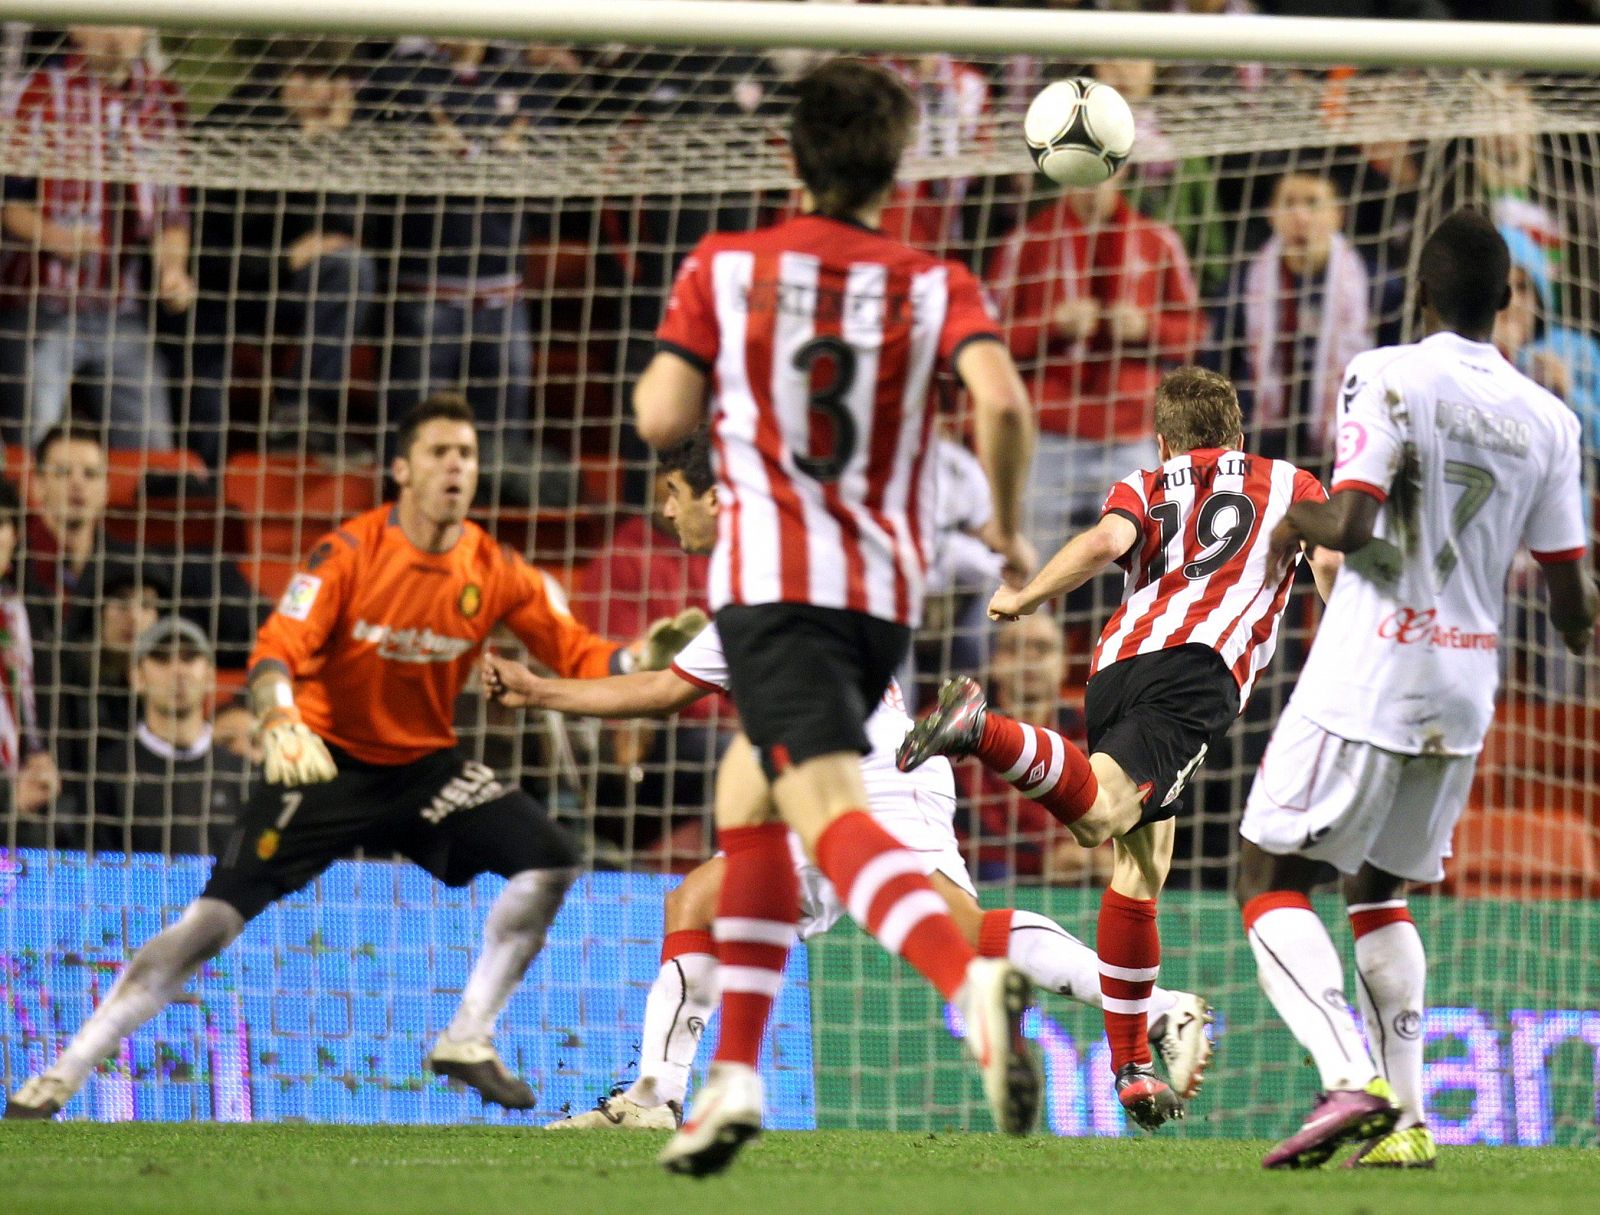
448, 814
1158, 715
805, 679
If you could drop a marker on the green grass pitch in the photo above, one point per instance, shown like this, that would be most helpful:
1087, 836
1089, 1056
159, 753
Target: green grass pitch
144, 1169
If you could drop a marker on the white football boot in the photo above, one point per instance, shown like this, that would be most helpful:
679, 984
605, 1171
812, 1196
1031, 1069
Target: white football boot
992, 1002
1181, 1037
725, 1116
475, 1063
39, 1098
619, 1112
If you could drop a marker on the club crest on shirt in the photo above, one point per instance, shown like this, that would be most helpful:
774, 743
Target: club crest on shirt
471, 600
299, 596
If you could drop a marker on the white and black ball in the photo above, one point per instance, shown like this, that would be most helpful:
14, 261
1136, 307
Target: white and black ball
1079, 131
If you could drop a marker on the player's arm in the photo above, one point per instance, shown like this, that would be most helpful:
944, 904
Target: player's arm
641, 694
1344, 523
1079, 560
297, 630
1325, 566
1574, 602
1003, 434
669, 401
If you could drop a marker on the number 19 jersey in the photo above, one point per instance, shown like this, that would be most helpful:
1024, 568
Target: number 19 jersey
1199, 573
820, 338
1470, 460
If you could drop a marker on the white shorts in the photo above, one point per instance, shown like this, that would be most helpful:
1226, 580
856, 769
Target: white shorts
1347, 803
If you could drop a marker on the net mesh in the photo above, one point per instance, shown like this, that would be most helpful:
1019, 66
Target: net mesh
368, 222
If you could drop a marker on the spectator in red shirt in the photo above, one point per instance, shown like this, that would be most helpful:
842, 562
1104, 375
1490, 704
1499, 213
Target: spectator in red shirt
1008, 835
1097, 302
74, 270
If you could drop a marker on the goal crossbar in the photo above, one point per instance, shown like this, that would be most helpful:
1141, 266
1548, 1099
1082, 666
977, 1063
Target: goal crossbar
746, 23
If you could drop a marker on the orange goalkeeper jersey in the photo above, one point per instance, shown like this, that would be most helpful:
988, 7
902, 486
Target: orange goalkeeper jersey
380, 637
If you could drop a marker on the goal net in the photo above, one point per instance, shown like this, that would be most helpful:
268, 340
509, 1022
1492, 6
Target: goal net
238, 259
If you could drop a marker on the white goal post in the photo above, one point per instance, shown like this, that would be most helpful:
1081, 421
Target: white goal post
748, 23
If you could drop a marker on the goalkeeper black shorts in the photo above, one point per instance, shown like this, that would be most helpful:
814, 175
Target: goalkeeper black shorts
1158, 715
446, 813
805, 679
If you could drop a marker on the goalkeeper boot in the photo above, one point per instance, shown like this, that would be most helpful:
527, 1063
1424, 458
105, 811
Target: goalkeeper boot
726, 1115
1181, 1038
41, 1097
475, 1063
1412, 1148
1148, 1098
619, 1112
1338, 1118
953, 728
992, 1002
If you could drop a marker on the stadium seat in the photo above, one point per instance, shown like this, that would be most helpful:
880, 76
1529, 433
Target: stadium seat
166, 499
279, 505
1524, 854
1542, 755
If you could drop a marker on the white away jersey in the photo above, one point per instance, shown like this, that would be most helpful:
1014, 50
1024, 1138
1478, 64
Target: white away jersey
703, 664
1471, 460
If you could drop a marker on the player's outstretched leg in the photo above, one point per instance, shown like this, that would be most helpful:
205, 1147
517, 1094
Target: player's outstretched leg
154, 976
680, 1002
513, 934
1302, 976
1391, 975
885, 890
1035, 760
1057, 961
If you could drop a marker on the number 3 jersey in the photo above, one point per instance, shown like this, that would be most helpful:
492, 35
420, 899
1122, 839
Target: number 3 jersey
820, 338
1470, 460
1199, 573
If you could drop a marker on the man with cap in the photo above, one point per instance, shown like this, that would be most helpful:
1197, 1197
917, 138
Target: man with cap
167, 789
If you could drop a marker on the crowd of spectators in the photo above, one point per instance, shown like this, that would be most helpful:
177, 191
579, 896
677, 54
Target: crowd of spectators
126, 304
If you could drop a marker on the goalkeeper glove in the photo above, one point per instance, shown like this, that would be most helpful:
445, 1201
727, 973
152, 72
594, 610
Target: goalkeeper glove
668, 636
291, 753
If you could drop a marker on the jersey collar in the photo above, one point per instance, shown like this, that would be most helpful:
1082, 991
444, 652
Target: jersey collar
151, 741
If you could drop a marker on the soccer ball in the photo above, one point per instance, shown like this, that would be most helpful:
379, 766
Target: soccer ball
1079, 131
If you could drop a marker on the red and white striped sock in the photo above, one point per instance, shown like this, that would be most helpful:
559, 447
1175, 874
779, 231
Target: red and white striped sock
754, 931
1130, 958
886, 892
1391, 975
1039, 764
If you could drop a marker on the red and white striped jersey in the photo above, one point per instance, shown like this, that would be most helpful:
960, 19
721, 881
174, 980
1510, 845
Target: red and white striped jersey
121, 140
1199, 575
820, 338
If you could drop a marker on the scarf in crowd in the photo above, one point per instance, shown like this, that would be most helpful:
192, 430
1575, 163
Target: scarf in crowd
19, 724
1342, 335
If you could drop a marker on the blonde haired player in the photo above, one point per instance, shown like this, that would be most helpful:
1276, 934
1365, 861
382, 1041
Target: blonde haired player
1449, 461
917, 808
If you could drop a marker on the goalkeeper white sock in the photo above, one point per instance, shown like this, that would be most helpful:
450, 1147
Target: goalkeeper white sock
1302, 976
513, 935
1392, 970
1052, 957
680, 1003
154, 976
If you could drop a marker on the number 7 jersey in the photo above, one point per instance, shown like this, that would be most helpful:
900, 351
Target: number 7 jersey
1471, 460
820, 338
1199, 573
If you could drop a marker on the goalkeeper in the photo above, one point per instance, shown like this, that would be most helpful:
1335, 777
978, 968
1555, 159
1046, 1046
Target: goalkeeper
353, 679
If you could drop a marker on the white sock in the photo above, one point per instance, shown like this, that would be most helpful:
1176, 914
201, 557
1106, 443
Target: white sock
154, 976
513, 935
1301, 974
681, 1001
1391, 973
1057, 961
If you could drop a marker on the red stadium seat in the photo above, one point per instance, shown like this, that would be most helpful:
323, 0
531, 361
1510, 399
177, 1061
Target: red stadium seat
1524, 854
279, 505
